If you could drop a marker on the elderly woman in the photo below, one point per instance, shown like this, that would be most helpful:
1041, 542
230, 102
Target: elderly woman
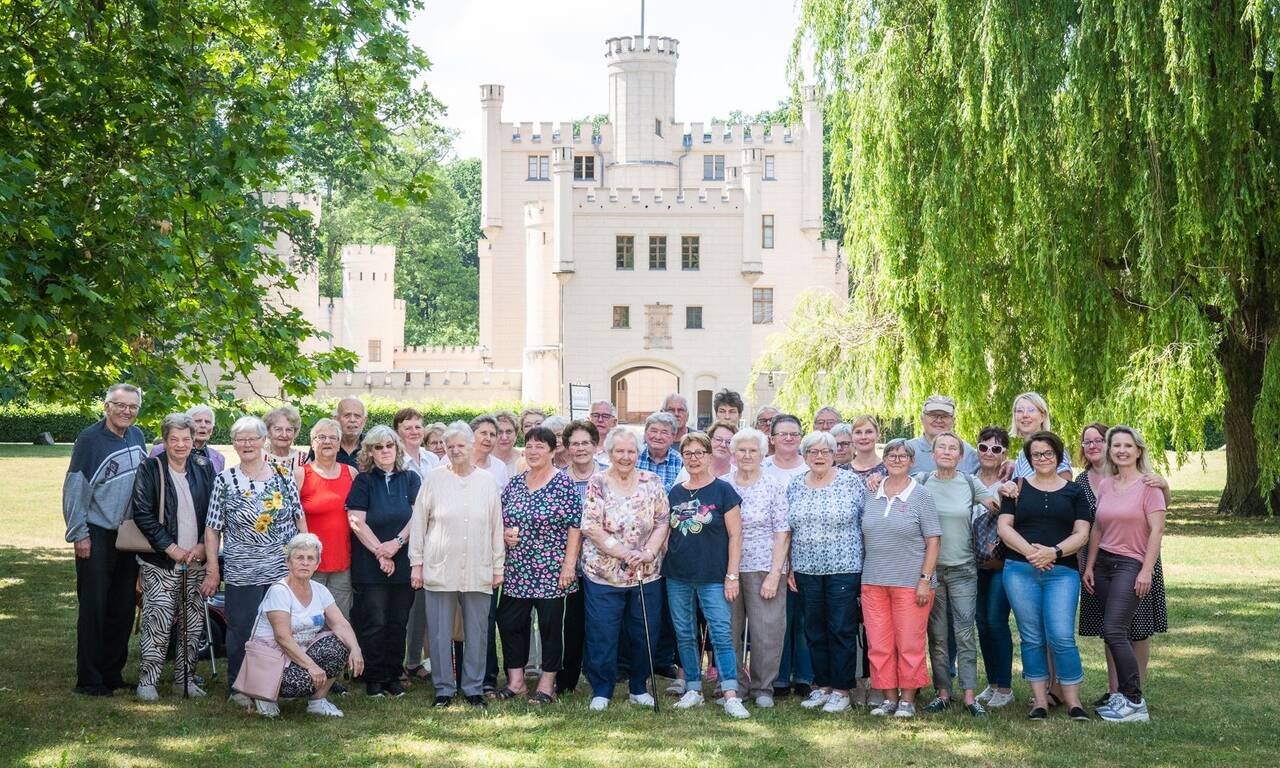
176, 535
956, 597
253, 512
1042, 530
541, 510
582, 439
766, 538
994, 637
407, 424
865, 432
560, 456
379, 508
901, 531
1031, 415
704, 550
782, 464
530, 418
504, 448
1124, 550
625, 522
433, 439
283, 424
300, 617
457, 555
202, 421
323, 485
825, 510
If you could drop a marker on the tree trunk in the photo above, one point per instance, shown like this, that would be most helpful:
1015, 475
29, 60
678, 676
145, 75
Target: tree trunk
1242, 361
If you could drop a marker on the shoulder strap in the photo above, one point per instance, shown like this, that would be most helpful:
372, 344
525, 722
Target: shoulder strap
161, 476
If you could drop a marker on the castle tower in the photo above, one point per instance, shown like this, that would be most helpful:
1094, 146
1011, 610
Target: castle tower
491, 156
811, 192
642, 97
540, 381
372, 317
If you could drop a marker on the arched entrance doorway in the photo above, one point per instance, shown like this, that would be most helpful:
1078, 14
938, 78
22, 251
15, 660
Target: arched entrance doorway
639, 391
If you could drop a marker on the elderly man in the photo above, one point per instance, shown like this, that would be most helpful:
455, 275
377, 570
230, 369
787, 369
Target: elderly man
728, 406
202, 419
95, 496
764, 421
657, 455
677, 405
605, 417
826, 418
351, 417
938, 416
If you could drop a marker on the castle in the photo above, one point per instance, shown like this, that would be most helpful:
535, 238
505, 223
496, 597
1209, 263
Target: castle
636, 258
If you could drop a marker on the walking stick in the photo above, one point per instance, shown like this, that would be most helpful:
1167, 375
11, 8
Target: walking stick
648, 644
182, 630
208, 626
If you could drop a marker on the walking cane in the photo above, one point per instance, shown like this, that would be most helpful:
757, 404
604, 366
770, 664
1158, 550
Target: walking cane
208, 626
182, 630
648, 644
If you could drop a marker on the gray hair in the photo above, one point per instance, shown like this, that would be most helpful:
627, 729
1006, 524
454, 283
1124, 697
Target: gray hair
760, 411
555, 424
122, 387
612, 438
959, 440
377, 435
815, 437
842, 428
176, 421
249, 424
304, 541
828, 409
196, 410
325, 424
749, 433
663, 418
337, 409
613, 409
286, 412
899, 442
459, 428
675, 396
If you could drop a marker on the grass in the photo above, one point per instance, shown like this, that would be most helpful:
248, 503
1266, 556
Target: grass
1210, 683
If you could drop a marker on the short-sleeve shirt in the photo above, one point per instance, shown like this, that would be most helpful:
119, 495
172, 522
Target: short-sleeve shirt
306, 621
630, 519
667, 470
954, 500
498, 470
764, 513
826, 525
1122, 517
698, 545
544, 518
1046, 517
782, 474
387, 501
863, 474
923, 460
895, 530
256, 518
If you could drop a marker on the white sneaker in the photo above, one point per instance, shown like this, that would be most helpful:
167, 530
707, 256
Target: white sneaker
838, 702
676, 688
598, 704
193, 690
267, 708
1126, 711
148, 693
764, 701
643, 699
817, 698
323, 707
986, 695
689, 699
998, 700
426, 666
733, 708
875, 697
240, 700
905, 709
884, 708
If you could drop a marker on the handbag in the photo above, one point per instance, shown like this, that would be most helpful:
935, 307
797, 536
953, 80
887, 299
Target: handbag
129, 537
989, 549
261, 671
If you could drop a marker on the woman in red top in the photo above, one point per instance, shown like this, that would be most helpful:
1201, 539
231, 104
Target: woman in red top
323, 484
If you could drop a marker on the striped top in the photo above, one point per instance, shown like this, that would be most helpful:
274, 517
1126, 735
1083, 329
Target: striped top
894, 529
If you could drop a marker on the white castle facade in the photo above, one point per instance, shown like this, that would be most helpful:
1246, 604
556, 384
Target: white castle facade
644, 257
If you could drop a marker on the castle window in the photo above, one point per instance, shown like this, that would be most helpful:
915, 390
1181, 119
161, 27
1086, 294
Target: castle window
625, 252
621, 317
539, 167
657, 251
713, 167
375, 350
584, 168
762, 306
766, 231
690, 252
769, 168
693, 318
657, 126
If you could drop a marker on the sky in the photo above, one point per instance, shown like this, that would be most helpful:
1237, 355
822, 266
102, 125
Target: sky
550, 56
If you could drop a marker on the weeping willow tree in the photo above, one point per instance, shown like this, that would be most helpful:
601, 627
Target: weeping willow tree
1077, 197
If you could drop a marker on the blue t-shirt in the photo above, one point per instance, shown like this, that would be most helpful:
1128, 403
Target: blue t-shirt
698, 546
388, 505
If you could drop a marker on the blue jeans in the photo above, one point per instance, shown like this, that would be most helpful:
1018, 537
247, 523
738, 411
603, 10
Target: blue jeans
832, 615
1044, 603
605, 609
994, 637
684, 617
796, 666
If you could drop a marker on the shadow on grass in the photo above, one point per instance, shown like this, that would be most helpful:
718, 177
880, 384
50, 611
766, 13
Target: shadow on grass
1195, 513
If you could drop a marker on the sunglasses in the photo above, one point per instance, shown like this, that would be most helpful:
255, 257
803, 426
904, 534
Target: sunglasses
996, 449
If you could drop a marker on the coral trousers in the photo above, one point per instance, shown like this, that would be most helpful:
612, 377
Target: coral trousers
896, 636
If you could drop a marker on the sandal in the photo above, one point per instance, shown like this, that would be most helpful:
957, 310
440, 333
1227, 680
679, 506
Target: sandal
418, 672
506, 694
542, 698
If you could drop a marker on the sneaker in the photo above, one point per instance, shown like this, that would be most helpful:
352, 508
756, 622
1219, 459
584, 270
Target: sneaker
937, 706
337, 689
986, 695
836, 702
689, 700
477, 700
377, 690
240, 700
998, 700
764, 701
643, 699
781, 691
598, 704
266, 708
394, 689
733, 708
1104, 700
1079, 713
1038, 714
323, 707
442, 701
671, 672
1126, 712
976, 709
884, 708
875, 697
92, 690
148, 693
1113, 700
817, 697
905, 709
676, 688
803, 690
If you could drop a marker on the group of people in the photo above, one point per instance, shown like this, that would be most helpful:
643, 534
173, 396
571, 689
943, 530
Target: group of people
741, 563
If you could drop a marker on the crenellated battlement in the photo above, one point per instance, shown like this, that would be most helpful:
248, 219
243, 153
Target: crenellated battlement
307, 201
635, 46
652, 200
491, 92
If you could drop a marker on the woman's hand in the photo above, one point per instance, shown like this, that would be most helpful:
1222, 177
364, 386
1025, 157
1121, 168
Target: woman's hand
873, 482
318, 677
791, 582
769, 589
196, 554
730, 589
923, 589
356, 662
1153, 480
497, 579
1042, 557
1086, 579
1142, 584
387, 549
636, 558
387, 565
415, 577
567, 576
510, 537
209, 587
1009, 490
177, 554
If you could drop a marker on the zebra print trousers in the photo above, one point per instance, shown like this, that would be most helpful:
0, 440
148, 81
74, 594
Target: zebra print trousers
160, 600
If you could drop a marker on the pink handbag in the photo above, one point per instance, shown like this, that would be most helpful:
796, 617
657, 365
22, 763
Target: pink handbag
261, 671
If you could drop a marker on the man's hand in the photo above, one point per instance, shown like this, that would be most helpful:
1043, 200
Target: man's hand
83, 548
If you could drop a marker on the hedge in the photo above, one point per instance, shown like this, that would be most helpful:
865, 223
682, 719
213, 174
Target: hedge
23, 423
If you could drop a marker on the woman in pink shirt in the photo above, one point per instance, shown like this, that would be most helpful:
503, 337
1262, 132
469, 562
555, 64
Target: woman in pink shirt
1123, 547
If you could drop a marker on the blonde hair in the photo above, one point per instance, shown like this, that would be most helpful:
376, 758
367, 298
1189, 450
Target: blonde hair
286, 412
1040, 404
380, 433
865, 418
1144, 460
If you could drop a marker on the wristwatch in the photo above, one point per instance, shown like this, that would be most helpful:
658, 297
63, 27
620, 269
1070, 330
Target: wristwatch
1057, 551
731, 576
400, 540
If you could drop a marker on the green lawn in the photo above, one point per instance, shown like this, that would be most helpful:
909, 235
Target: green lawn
1210, 686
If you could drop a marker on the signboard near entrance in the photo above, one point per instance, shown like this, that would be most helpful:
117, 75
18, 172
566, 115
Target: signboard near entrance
579, 401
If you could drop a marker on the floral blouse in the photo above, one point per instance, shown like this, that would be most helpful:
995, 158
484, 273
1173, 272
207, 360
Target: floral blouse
256, 518
826, 525
544, 518
764, 513
629, 519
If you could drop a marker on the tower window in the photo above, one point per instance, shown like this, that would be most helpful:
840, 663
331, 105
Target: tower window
625, 252
693, 318
657, 252
621, 316
762, 306
375, 350
584, 168
657, 126
713, 167
690, 252
539, 167
769, 168
766, 231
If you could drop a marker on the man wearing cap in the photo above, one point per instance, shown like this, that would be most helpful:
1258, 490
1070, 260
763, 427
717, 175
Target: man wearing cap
938, 416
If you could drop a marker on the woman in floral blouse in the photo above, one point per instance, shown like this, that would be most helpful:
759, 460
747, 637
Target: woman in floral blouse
541, 509
624, 529
253, 512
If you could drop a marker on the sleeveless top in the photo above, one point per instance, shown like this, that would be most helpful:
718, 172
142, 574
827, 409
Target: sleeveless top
324, 502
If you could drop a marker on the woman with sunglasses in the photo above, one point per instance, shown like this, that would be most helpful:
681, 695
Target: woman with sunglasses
995, 641
380, 507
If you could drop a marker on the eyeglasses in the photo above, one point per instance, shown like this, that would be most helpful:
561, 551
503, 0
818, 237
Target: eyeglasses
1026, 411
996, 449
724, 441
815, 452
1042, 455
600, 416
126, 407
787, 435
383, 447
694, 454
897, 457
325, 438
939, 415
843, 444
1094, 441
246, 440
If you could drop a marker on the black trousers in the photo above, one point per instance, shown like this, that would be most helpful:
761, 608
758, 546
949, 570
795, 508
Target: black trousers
491, 657
380, 617
106, 591
575, 640
514, 614
1113, 579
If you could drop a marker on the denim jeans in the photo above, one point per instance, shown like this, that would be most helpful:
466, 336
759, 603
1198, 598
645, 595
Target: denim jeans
1044, 604
796, 666
606, 608
684, 616
832, 615
994, 637
1113, 578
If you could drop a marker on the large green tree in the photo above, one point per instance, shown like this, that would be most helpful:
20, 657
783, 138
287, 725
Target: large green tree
134, 138
1077, 197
